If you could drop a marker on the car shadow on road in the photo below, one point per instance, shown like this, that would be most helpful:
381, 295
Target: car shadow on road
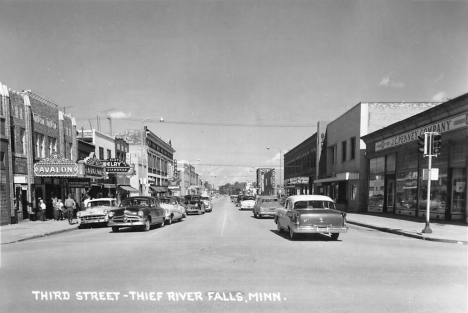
304, 237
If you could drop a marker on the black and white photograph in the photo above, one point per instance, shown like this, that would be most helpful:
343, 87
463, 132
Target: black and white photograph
234, 156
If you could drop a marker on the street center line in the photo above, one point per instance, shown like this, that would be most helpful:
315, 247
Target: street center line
224, 224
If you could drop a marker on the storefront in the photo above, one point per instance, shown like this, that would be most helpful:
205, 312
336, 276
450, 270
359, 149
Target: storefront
397, 182
342, 188
93, 169
297, 186
48, 174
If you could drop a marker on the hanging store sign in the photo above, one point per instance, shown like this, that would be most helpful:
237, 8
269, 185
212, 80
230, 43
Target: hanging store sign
55, 166
116, 166
91, 167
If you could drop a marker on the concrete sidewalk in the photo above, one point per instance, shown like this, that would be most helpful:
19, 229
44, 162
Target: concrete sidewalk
27, 230
442, 231
448, 232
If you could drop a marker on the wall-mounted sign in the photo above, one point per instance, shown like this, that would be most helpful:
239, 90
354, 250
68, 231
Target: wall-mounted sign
91, 167
116, 166
55, 166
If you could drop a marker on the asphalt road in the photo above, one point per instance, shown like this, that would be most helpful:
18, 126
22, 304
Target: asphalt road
228, 261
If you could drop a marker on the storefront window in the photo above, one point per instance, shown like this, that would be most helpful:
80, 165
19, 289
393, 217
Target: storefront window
458, 192
407, 191
438, 198
376, 184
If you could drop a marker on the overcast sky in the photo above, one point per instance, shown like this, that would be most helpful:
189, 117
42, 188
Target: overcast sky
237, 64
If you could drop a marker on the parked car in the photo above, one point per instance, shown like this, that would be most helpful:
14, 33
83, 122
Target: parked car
172, 208
310, 214
266, 206
233, 198
194, 204
247, 203
96, 212
208, 204
137, 212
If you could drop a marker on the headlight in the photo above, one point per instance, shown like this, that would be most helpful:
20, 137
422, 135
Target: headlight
140, 213
166, 210
105, 211
111, 214
78, 214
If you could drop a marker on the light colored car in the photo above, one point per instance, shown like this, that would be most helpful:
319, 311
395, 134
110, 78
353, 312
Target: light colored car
96, 212
266, 206
137, 212
172, 208
208, 204
247, 203
310, 214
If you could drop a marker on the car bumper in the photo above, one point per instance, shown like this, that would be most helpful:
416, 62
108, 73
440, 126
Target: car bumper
247, 207
129, 223
85, 220
319, 230
272, 214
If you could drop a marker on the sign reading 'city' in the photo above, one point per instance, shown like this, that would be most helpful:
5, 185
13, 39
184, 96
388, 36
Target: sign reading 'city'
116, 166
55, 166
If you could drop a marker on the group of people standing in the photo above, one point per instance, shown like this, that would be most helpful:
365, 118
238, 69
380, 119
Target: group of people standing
59, 208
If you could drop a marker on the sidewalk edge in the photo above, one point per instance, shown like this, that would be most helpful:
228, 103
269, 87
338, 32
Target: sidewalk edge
406, 234
40, 236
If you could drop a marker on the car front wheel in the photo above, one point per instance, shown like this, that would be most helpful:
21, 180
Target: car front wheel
169, 220
147, 225
115, 229
335, 236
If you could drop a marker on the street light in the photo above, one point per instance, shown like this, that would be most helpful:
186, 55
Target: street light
143, 143
268, 148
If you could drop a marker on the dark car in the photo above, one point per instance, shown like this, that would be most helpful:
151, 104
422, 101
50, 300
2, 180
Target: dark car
137, 212
194, 204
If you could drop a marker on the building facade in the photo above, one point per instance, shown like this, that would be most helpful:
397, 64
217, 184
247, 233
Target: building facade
33, 131
342, 165
395, 177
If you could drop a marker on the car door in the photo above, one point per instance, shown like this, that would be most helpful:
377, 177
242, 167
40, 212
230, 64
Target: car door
281, 213
177, 211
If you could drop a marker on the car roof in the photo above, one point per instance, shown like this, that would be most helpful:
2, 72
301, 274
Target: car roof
102, 199
309, 197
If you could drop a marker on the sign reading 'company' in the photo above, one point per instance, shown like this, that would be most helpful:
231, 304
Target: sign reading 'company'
55, 166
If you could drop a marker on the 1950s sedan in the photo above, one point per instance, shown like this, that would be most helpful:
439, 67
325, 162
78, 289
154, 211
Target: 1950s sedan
310, 214
247, 202
137, 212
194, 204
96, 212
172, 208
266, 206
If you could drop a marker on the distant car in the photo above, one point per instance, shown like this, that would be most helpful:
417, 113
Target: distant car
172, 208
233, 198
310, 214
137, 212
96, 212
208, 204
247, 203
266, 206
194, 204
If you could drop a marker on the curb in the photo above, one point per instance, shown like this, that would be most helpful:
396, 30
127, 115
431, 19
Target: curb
406, 234
40, 236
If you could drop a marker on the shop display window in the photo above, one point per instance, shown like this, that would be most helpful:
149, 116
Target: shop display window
458, 192
407, 191
438, 198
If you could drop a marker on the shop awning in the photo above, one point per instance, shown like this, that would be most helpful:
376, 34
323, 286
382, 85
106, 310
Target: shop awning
338, 177
109, 186
129, 188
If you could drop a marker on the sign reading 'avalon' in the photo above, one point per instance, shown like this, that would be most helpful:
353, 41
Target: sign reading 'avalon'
55, 166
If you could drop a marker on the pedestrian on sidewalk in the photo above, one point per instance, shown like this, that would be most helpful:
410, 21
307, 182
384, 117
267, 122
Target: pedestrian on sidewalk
42, 207
70, 206
61, 209
56, 208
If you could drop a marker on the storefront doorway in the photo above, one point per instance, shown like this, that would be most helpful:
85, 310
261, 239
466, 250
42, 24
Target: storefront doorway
458, 195
389, 205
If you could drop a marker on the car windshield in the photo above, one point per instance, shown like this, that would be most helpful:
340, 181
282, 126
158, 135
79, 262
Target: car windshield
247, 198
135, 201
165, 200
99, 203
314, 204
205, 198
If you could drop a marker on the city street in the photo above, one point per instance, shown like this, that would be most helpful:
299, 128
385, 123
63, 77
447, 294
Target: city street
228, 261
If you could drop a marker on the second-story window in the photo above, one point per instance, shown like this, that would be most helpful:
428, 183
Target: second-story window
109, 154
101, 153
353, 148
39, 145
343, 151
23, 140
